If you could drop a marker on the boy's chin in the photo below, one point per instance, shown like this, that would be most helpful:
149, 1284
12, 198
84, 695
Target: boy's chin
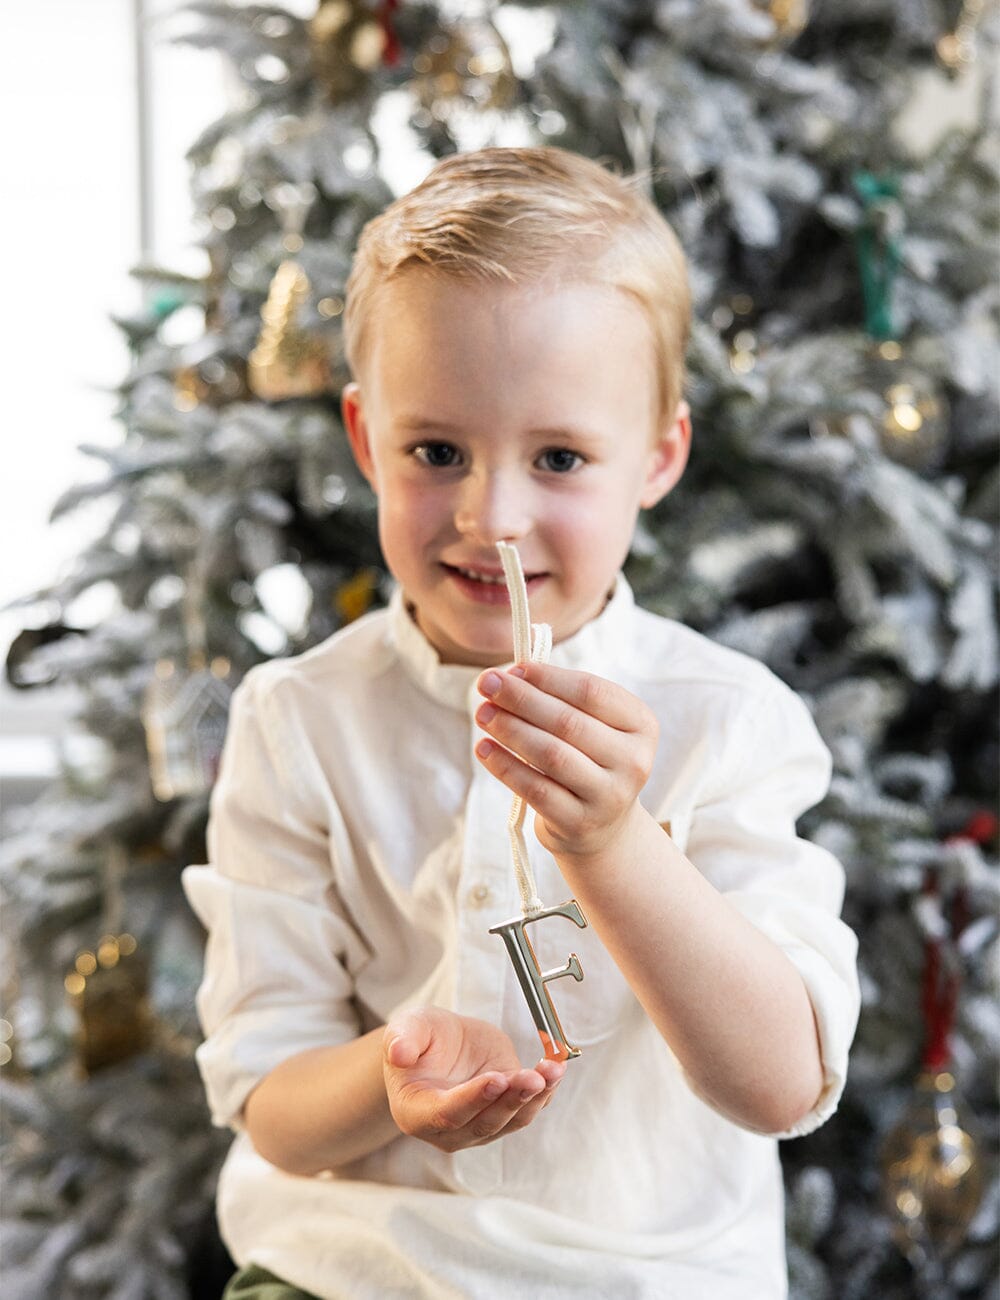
484, 654
485, 647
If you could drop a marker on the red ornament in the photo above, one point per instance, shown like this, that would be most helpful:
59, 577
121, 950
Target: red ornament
939, 994
981, 828
393, 50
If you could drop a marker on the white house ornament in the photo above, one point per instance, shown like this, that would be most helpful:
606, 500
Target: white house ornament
185, 714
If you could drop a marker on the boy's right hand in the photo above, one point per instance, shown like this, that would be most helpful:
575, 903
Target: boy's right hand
456, 1082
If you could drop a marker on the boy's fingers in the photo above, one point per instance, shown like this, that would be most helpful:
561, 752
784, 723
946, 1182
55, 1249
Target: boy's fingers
596, 696
485, 1104
552, 800
524, 1114
507, 1112
577, 769
475, 1112
551, 1071
431, 1113
521, 705
468, 1100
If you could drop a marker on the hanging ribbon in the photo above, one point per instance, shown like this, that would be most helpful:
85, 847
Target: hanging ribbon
532, 642
939, 994
879, 243
942, 980
393, 49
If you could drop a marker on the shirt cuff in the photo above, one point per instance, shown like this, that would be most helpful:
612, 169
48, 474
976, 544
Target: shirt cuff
235, 1058
823, 949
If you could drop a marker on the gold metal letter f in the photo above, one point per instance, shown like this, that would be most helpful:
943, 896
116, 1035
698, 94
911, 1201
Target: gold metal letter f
533, 981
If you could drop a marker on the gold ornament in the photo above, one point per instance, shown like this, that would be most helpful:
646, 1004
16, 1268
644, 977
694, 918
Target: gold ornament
790, 18
464, 65
913, 426
733, 321
932, 1173
288, 362
913, 423
212, 382
743, 352
956, 50
347, 42
11, 1065
356, 595
7, 1060
109, 989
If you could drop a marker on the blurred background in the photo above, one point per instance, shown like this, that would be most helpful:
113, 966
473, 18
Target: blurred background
180, 505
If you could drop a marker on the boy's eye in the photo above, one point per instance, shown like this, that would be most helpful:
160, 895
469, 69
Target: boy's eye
439, 455
561, 459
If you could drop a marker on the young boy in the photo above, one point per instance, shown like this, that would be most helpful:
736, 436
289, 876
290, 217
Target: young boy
516, 326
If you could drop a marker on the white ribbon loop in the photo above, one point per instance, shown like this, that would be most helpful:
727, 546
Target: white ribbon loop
532, 643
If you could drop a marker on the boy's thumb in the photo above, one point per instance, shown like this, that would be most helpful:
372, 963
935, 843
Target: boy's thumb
406, 1039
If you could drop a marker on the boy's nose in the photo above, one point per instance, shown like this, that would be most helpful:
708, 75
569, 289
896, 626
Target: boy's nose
491, 509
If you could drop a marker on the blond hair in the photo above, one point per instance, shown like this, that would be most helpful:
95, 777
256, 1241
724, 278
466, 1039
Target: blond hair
519, 215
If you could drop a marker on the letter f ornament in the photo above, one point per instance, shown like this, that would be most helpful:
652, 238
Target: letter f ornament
533, 980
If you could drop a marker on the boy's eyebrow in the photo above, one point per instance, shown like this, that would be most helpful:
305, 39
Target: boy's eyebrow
418, 424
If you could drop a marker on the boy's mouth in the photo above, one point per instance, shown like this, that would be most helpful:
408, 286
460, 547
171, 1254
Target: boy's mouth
493, 577
486, 583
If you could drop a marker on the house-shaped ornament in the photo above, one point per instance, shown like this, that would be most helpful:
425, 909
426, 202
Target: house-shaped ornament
185, 717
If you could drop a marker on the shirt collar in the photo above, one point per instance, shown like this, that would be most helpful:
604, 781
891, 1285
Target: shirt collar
454, 684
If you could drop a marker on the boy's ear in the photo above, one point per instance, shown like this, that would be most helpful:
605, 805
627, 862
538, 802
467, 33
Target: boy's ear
353, 415
668, 458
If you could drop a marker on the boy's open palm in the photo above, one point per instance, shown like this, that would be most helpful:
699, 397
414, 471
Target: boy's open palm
456, 1082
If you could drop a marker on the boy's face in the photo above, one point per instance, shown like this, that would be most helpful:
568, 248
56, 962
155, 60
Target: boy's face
495, 413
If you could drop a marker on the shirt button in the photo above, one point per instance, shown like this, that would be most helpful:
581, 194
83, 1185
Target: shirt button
478, 895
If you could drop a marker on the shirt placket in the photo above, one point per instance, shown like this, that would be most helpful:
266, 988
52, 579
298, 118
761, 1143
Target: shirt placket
487, 894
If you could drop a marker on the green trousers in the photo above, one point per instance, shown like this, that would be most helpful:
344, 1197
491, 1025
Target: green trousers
256, 1283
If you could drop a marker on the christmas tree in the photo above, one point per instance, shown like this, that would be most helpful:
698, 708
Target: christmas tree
837, 521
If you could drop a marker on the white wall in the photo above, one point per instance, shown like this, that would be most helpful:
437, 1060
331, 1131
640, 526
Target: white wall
68, 99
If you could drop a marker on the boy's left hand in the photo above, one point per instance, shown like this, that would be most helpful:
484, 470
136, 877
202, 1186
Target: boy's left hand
576, 747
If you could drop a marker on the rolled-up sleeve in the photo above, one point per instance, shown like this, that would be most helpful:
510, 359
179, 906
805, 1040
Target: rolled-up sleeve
743, 839
281, 954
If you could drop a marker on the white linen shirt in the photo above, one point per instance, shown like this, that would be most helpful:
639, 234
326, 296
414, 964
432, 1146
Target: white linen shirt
359, 855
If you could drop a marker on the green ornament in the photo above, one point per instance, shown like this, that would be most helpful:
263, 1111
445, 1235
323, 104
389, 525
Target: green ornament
165, 302
879, 241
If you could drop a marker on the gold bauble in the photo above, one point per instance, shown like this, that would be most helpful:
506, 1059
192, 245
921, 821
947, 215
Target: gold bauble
354, 597
467, 63
288, 362
109, 989
11, 1066
914, 425
734, 321
212, 382
347, 42
912, 428
956, 50
932, 1173
789, 16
